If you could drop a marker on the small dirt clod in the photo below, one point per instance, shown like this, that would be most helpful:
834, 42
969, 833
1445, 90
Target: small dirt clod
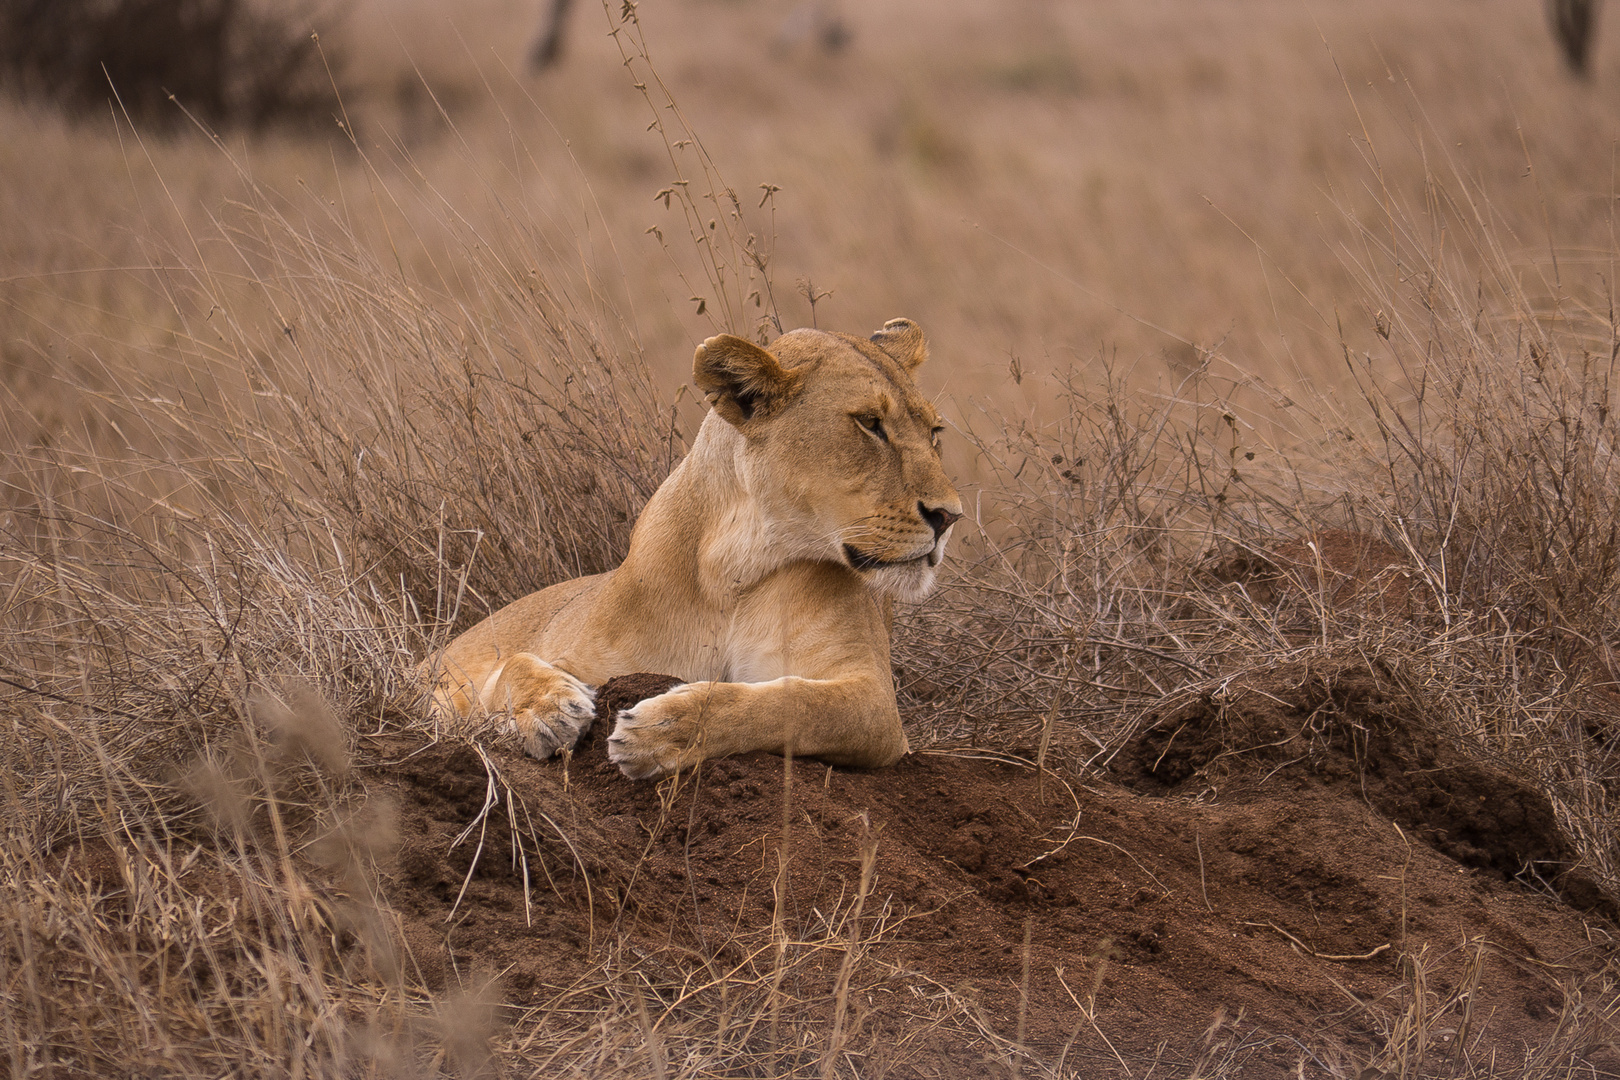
623, 691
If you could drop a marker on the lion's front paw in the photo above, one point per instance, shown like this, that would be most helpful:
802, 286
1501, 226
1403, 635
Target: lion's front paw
554, 720
656, 737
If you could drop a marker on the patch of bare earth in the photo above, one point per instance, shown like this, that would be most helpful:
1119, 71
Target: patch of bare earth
1286, 860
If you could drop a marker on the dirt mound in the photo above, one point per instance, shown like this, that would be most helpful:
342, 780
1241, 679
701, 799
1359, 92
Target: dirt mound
1355, 732
1108, 925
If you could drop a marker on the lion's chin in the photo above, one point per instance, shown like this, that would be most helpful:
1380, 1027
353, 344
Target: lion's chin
908, 583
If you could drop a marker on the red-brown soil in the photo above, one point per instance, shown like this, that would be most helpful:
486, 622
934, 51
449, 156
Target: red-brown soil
1274, 859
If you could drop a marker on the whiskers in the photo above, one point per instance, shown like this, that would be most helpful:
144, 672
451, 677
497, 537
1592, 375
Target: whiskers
889, 537
904, 570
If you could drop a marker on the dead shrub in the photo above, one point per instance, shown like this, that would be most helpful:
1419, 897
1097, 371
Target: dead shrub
229, 63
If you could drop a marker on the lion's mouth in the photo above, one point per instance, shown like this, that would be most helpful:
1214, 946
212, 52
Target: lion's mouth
862, 561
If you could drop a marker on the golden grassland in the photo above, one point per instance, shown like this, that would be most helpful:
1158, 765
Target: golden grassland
1152, 182
1199, 277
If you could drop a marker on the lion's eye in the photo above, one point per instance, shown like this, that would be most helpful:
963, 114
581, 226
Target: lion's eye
874, 426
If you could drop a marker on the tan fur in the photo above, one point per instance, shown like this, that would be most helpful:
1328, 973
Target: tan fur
762, 572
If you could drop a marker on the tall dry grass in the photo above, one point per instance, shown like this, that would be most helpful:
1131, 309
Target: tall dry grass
1029, 184
357, 425
1474, 446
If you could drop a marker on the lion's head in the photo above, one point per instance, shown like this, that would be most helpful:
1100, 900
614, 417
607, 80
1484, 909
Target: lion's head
838, 449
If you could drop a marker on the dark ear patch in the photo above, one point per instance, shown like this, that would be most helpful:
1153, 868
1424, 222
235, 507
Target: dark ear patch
740, 379
903, 340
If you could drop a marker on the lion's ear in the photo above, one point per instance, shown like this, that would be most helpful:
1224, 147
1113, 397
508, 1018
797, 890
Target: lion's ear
903, 340
739, 378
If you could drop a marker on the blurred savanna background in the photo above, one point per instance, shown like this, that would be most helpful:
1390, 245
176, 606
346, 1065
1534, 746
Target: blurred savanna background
1040, 185
1277, 340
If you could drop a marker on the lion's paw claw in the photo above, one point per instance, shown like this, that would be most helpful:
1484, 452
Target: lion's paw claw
558, 721
644, 743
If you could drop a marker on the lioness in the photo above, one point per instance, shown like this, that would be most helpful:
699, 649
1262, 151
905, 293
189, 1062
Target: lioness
763, 570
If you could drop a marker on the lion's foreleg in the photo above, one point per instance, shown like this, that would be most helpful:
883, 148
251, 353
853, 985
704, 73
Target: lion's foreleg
846, 721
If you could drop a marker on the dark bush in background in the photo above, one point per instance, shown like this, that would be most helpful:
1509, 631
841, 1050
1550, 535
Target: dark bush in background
230, 63
1573, 22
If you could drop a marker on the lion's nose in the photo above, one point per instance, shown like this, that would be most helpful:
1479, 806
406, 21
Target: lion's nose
939, 519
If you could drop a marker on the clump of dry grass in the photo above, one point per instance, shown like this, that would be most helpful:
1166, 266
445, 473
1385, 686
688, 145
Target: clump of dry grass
462, 454
1490, 455
179, 925
1429, 1026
